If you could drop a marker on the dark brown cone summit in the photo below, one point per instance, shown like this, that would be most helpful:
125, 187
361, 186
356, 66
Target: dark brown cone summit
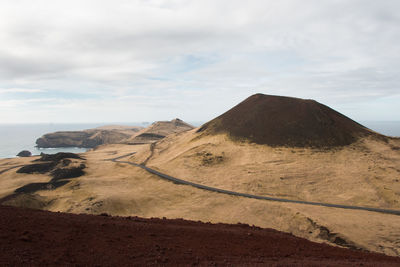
286, 121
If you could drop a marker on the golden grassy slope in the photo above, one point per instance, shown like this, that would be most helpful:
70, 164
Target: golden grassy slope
121, 189
366, 173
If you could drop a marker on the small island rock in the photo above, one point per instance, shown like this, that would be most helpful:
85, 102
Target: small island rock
24, 153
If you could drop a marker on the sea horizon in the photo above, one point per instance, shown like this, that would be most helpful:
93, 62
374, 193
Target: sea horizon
15, 137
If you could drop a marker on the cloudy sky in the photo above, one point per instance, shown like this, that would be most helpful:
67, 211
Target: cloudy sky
147, 60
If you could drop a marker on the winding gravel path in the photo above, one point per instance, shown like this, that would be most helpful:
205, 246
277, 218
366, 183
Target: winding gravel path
233, 193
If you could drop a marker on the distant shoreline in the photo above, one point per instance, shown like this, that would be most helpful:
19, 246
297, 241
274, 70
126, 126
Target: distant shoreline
16, 137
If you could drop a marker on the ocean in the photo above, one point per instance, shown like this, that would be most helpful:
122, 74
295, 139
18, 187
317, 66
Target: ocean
17, 137
389, 128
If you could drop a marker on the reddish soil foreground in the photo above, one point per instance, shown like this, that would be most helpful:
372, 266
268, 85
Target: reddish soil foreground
33, 237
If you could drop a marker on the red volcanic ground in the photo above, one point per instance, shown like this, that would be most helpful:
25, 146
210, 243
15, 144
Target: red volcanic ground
33, 237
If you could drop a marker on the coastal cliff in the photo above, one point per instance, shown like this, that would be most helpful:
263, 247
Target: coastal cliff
113, 134
87, 138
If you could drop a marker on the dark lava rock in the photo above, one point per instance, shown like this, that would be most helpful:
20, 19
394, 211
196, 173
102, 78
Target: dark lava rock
63, 173
66, 162
50, 162
59, 156
24, 153
287, 121
33, 187
59, 160
37, 167
151, 135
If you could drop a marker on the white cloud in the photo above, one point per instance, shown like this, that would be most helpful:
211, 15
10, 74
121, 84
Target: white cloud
207, 54
20, 90
20, 104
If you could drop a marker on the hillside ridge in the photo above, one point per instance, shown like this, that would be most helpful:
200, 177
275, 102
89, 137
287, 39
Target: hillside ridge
287, 121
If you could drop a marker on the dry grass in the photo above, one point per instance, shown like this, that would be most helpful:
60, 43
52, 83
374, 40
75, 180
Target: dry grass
10, 180
365, 173
357, 174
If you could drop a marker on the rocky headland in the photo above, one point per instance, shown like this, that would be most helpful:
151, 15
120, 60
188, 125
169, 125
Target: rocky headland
92, 138
87, 138
158, 130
